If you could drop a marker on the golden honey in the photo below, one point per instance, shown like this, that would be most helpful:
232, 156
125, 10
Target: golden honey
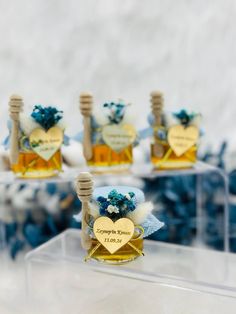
123, 255
104, 156
169, 160
31, 165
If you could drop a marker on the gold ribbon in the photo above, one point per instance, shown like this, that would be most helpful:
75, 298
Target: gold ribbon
168, 153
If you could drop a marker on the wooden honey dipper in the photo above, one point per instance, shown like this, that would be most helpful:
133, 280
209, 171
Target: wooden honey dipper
84, 189
15, 107
157, 109
86, 106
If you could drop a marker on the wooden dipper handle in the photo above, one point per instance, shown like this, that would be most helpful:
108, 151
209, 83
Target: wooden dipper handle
84, 189
86, 106
157, 104
15, 107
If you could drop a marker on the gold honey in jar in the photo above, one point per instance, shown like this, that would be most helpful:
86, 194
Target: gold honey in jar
175, 136
125, 254
108, 136
35, 140
118, 218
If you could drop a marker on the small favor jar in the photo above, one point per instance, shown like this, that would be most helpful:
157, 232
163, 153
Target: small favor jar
35, 140
115, 219
108, 136
175, 136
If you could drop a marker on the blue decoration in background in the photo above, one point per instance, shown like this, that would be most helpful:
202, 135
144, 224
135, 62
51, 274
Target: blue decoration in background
177, 202
176, 197
39, 224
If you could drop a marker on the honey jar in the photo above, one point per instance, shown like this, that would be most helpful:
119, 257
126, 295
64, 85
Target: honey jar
35, 140
175, 136
115, 220
108, 136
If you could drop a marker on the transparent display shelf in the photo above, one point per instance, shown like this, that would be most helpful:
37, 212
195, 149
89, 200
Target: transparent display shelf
137, 170
72, 288
68, 175
200, 170
188, 270
145, 171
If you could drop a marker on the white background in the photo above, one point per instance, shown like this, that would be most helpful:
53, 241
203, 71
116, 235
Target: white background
51, 50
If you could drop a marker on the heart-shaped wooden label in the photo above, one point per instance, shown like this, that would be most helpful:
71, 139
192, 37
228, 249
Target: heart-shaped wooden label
45, 144
113, 235
118, 137
182, 138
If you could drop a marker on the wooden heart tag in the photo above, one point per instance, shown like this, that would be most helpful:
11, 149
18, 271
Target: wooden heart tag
45, 144
118, 137
182, 138
113, 235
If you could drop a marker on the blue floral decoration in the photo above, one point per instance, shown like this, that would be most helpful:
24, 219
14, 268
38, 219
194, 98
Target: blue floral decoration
184, 117
116, 205
116, 111
47, 117
162, 134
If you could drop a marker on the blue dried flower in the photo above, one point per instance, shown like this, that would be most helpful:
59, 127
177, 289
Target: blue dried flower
162, 134
101, 199
103, 205
47, 117
184, 117
116, 111
125, 204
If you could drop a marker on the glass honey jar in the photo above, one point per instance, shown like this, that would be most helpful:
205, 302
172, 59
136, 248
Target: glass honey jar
30, 165
35, 140
115, 220
171, 160
105, 159
108, 136
175, 136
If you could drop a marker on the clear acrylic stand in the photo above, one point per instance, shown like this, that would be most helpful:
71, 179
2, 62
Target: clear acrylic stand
8, 177
199, 170
144, 171
168, 279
